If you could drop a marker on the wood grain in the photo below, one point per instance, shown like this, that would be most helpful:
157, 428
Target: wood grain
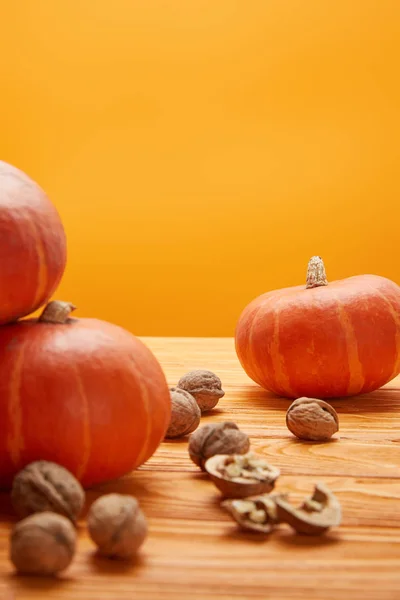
195, 552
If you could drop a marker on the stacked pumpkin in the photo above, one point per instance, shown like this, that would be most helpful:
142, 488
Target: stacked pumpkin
83, 393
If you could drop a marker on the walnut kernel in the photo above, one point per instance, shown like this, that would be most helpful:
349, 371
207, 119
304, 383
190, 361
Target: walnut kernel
204, 386
42, 544
185, 414
46, 486
117, 525
312, 419
217, 438
245, 468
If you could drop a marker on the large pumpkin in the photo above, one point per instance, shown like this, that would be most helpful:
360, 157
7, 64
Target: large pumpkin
323, 340
32, 245
80, 392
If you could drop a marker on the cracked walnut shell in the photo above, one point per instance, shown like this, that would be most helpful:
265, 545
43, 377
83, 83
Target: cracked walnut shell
254, 513
317, 514
241, 475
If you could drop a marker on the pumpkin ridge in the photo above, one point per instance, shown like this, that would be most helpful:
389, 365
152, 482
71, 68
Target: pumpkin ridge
86, 451
356, 370
42, 270
254, 361
396, 319
310, 348
15, 437
145, 400
277, 359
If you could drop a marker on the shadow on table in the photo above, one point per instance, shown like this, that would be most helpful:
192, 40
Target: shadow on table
109, 566
97, 563
286, 537
293, 539
19, 583
381, 400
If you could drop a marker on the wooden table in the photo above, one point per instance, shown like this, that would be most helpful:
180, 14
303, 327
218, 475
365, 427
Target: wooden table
194, 551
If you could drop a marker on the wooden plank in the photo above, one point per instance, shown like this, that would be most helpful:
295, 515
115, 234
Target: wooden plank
194, 550
358, 458
180, 496
177, 496
182, 558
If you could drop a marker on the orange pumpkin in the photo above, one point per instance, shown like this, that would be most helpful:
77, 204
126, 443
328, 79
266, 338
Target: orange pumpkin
323, 340
80, 392
32, 245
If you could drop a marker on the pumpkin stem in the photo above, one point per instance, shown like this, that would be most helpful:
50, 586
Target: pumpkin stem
57, 311
316, 276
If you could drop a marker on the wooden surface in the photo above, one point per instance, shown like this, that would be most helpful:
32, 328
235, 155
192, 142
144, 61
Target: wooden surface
195, 551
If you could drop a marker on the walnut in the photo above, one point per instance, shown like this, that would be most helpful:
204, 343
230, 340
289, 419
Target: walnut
117, 525
42, 544
204, 386
217, 438
241, 475
46, 486
185, 414
312, 419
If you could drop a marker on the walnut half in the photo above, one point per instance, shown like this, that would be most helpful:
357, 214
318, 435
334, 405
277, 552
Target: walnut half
241, 475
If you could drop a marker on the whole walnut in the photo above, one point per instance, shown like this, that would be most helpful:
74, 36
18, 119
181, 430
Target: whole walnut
185, 414
204, 386
46, 486
42, 544
217, 438
117, 525
312, 419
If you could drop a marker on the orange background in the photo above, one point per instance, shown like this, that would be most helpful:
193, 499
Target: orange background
200, 151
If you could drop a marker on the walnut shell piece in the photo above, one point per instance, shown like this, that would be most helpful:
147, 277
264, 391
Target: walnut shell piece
317, 513
217, 438
241, 475
255, 513
117, 525
47, 486
185, 414
312, 419
42, 544
204, 386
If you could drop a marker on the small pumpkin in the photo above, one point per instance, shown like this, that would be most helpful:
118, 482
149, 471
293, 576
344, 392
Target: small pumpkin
82, 393
32, 245
322, 340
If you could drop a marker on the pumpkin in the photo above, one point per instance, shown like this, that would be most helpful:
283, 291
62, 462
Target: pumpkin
83, 393
322, 340
32, 245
